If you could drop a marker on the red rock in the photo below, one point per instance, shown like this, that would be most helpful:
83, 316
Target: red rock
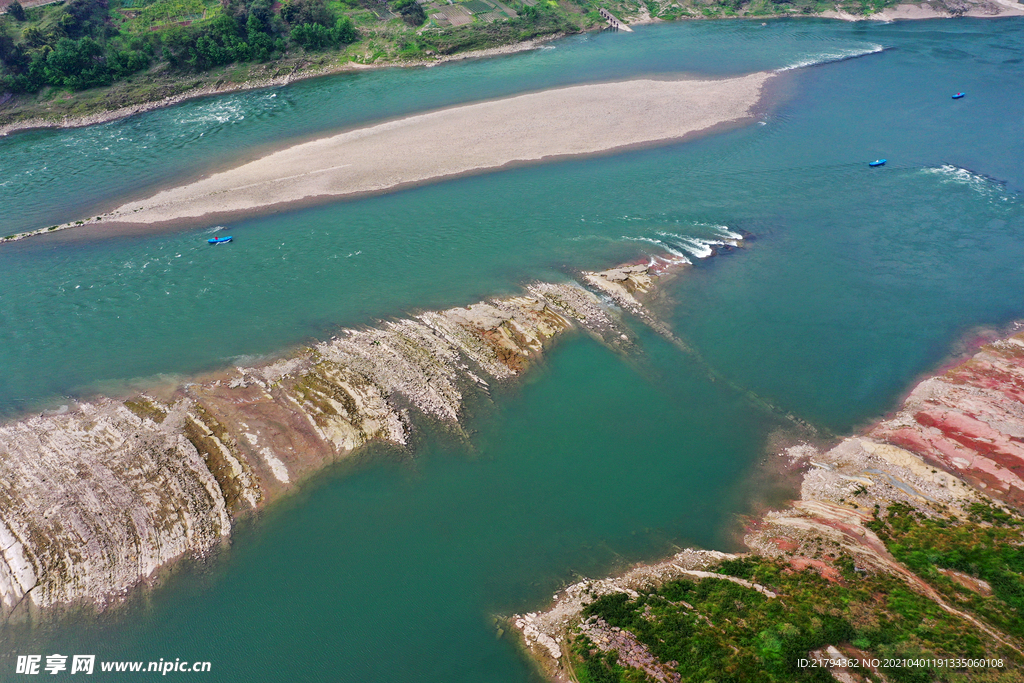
970, 420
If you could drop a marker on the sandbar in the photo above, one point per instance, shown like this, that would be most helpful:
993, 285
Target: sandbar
558, 123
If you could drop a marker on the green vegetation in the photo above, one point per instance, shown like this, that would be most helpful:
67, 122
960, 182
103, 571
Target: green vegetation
74, 57
533, 23
952, 554
412, 12
145, 408
87, 43
16, 10
718, 630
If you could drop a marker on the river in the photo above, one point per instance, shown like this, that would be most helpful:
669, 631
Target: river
391, 567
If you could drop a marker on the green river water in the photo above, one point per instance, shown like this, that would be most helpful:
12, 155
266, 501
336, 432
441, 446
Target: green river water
392, 566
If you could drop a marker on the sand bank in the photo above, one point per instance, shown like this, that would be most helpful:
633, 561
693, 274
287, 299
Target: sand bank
563, 122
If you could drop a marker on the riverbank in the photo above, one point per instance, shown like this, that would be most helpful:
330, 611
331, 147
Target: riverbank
184, 88
901, 510
146, 92
182, 465
936, 10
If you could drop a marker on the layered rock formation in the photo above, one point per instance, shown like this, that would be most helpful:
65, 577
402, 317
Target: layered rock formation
970, 421
956, 444
98, 498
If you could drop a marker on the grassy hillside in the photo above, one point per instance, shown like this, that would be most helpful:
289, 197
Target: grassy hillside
78, 57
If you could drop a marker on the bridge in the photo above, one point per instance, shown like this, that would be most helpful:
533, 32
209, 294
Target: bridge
613, 22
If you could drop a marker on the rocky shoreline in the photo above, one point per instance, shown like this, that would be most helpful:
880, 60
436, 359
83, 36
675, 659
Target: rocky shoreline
953, 446
98, 498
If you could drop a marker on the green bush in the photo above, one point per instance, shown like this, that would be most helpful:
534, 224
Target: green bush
16, 11
411, 11
317, 37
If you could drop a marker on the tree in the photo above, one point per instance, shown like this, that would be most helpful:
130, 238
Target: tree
7, 48
411, 11
312, 36
317, 37
345, 31
297, 12
76, 64
16, 10
262, 10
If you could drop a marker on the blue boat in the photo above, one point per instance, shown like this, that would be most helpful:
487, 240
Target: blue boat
958, 95
880, 162
219, 240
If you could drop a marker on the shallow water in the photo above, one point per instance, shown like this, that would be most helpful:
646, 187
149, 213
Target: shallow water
391, 568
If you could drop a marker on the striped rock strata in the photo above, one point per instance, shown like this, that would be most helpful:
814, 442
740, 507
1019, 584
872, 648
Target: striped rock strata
969, 421
97, 499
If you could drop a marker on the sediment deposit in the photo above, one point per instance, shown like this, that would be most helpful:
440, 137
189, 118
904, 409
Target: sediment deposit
577, 120
955, 444
100, 497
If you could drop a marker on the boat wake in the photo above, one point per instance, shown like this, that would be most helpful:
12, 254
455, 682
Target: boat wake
831, 56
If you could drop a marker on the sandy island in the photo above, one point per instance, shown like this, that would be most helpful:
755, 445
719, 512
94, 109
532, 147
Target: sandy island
577, 120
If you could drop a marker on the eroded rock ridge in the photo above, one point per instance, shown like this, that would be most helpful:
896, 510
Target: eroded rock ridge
100, 497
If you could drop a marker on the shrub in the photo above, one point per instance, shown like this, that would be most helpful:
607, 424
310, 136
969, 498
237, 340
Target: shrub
411, 11
317, 37
16, 11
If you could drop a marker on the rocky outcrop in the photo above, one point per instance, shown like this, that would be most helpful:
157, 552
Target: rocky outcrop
95, 499
628, 286
545, 633
969, 421
100, 497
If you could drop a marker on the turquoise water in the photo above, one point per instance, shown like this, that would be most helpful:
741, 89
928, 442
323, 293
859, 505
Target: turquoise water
390, 568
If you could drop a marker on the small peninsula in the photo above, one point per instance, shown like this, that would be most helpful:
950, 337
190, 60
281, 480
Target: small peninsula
903, 546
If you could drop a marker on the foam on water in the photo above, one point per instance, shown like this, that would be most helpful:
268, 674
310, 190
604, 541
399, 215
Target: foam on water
685, 246
696, 246
832, 56
983, 185
677, 247
219, 111
723, 230
675, 252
